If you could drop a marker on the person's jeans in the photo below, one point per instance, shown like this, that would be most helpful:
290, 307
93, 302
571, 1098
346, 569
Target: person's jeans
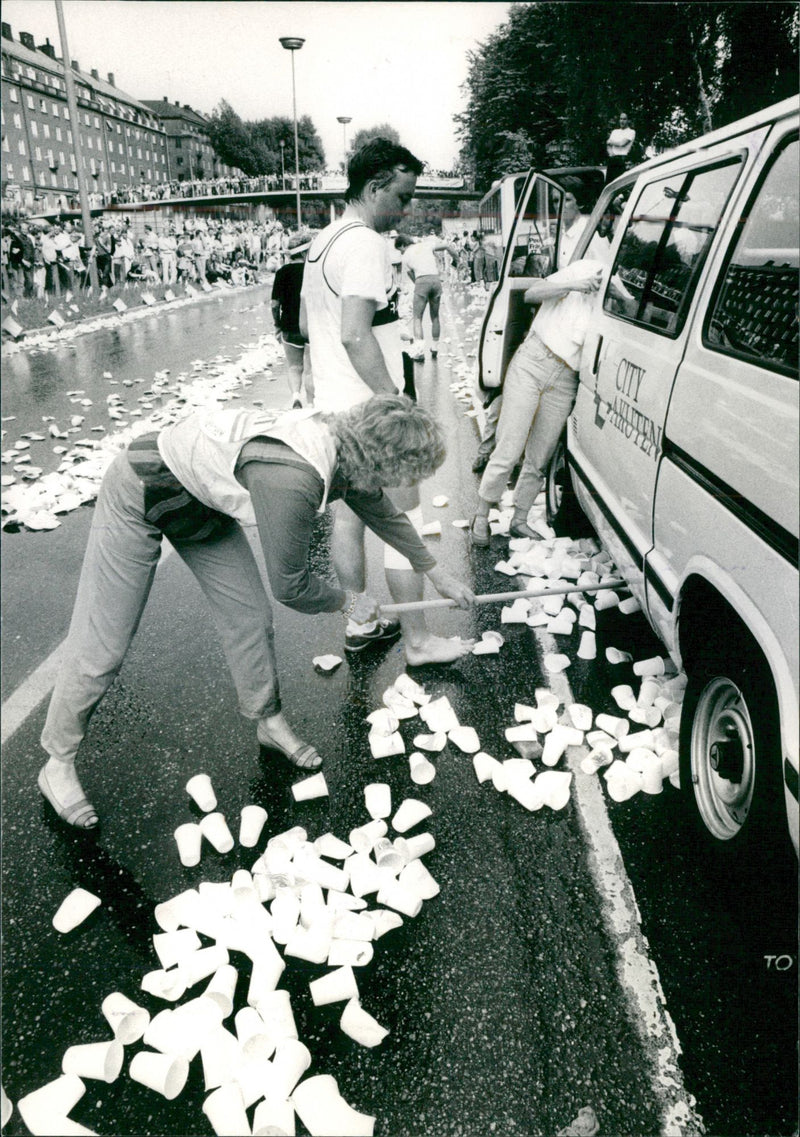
538, 394
117, 574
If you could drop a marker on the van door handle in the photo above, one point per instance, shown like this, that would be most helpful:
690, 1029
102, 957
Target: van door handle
597, 356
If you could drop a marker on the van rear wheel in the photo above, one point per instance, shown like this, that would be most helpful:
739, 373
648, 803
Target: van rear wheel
730, 753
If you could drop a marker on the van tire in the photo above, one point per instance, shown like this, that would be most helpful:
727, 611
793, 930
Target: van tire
730, 721
564, 513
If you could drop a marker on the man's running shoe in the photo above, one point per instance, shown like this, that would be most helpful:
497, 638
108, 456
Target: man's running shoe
384, 632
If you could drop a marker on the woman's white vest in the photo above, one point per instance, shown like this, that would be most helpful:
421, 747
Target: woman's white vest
202, 450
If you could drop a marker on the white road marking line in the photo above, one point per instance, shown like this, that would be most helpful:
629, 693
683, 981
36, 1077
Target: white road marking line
638, 974
36, 688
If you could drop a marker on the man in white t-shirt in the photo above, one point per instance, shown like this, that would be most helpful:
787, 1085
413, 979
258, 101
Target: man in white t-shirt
422, 267
618, 148
349, 316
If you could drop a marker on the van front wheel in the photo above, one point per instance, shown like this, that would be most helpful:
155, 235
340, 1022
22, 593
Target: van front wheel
563, 511
730, 756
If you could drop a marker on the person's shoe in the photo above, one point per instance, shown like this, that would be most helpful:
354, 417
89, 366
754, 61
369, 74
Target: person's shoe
79, 814
304, 757
522, 529
416, 350
297, 405
480, 463
434, 352
479, 532
384, 632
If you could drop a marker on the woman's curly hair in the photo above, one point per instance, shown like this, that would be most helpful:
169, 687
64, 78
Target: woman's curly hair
387, 441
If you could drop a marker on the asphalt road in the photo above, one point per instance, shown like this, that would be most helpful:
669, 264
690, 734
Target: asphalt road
502, 997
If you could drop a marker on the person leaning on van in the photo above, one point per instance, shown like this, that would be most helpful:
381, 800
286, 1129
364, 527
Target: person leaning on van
541, 381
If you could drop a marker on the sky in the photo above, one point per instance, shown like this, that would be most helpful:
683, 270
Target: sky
377, 61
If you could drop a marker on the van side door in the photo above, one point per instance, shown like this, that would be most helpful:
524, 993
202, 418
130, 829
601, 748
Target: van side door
531, 252
636, 341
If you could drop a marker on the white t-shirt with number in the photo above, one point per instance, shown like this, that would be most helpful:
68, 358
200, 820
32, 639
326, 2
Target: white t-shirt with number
348, 259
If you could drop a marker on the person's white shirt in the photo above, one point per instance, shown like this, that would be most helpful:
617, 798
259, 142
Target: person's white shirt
355, 263
620, 141
420, 259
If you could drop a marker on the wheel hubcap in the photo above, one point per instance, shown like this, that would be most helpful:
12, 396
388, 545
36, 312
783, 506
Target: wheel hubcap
723, 758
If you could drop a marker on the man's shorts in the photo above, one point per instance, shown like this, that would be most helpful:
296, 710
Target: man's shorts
427, 290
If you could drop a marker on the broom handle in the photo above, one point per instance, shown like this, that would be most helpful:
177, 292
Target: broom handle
497, 597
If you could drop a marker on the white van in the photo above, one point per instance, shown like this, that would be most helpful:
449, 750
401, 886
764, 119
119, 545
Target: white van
682, 448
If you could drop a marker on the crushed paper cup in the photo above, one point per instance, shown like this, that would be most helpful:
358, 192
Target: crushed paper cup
251, 1031
323, 1110
74, 909
439, 501
554, 786
215, 829
486, 646
309, 788
515, 613
166, 1074
483, 765
201, 791
384, 921
611, 724
580, 716
526, 792
518, 768
383, 721
645, 716
607, 599
254, 818
325, 663
334, 987
596, 759
365, 876
127, 1019
189, 839
554, 662
98, 1060
410, 689
384, 746
167, 985
465, 738
431, 742
275, 1009
421, 770
386, 855
557, 741
439, 715
224, 1108
409, 814
378, 800
45, 1107
400, 706
361, 1026
614, 655
350, 953
344, 901
353, 925
431, 529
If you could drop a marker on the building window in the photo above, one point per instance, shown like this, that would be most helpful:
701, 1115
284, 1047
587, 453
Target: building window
54, 180
122, 167
113, 167
97, 122
121, 148
61, 157
21, 146
119, 129
10, 171
26, 173
13, 94
18, 121
6, 144
43, 106
90, 142
54, 109
86, 119
45, 130
58, 134
139, 153
65, 181
65, 113
35, 129
37, 153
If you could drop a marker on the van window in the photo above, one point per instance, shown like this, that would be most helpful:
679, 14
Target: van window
535, 233
754, 311
666, 242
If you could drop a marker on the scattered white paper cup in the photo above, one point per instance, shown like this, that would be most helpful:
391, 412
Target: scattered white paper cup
166, 1074
385, 745
310, 788
364, 837
416, 878
201, 791
365, 876
275, 1009
292, 1059
361, 1026
99, 1060
202, 964
6, 1107
409, 814
43, 1109
172, 947
253, 820
167, 985
350, 953
267, 969
394, 895
222, 987
378, 800
431, 742
421, 770
554, 786
215, 829
74, 909
254, 1039
273, 1117
323, 1110
334, 987
416, 846
387, 856
224, 1108
188, 838
384, 920
127, 1019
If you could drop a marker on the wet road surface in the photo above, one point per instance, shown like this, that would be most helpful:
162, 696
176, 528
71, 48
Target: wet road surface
501, 996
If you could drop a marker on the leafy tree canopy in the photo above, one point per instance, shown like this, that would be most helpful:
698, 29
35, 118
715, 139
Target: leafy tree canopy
382, 131
255, 147
549, 84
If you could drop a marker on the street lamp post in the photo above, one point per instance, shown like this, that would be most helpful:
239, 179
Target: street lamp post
283, 168
293, 44
344, 119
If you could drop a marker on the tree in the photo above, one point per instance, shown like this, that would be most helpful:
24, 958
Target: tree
254, 147
553, 79
231, 139
382, 131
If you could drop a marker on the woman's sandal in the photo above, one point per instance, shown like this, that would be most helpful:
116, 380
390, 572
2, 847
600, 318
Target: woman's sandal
79, 814
304, 757
479, 539
522, 530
